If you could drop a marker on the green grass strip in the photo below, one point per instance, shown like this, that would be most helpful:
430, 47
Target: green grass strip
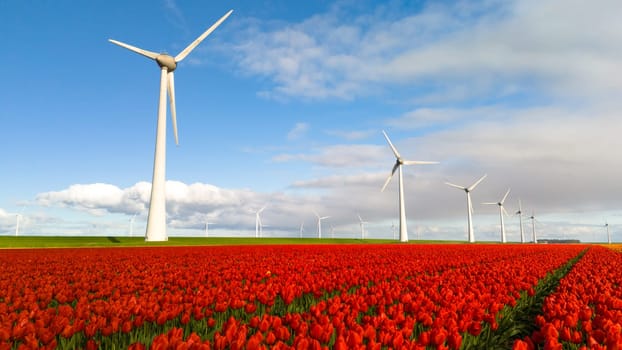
519, 321
118, 241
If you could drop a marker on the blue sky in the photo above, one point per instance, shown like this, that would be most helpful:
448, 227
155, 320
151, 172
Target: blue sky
283, 105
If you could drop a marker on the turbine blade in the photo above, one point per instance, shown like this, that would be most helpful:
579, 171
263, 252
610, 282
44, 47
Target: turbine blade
198, 40
397, 164
504, 211
148, 54
476, 183
490, 203
361, 220
324, 217
470, 205
171, 95
395, 152
417, 162
456, 186
506, 196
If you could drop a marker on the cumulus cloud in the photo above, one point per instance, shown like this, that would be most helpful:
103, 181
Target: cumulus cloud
470, 48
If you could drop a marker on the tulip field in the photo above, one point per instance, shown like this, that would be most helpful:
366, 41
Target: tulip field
331, 296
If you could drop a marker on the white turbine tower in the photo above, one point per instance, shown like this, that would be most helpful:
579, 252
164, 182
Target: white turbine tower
258, 224
132, 219
533, 227
362, 223
319, 224
470, 234
520, 220
207, 223
156, 222
502, 212
398, 166
18, 217
302, 228
608, 233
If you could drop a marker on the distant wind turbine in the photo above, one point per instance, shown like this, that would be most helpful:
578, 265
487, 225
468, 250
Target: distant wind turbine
470, 234
18, 218
502, 212
319, 224
156, 222
258, 224
533, 227
520, 220
302, 228
608, 234
362, 223
398, 166
207, 223
132, 224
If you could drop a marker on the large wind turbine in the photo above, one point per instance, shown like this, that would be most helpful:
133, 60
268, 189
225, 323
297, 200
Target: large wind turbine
398, 166
468, 190
319, 224
520, 220
501, 213
156, 222
362, 223
258, 224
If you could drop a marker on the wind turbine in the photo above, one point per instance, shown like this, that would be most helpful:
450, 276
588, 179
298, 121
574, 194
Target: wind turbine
302, 228
258, 224
398, 166
156, 221
18, 218
319, 224
132, 224
468, 190
608, 234
501, 213
393, 229
362, 223
520, 220
533, 227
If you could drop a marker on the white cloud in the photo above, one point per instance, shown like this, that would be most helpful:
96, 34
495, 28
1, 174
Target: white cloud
470, 48
299, 130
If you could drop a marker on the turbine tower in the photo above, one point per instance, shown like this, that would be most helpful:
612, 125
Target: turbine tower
132, 219
608, 233
18, 217
258, 224
470, 235
362, 223
302, 228
398, 166
156, 221
501, 213
319, 224
533, 227
520, 220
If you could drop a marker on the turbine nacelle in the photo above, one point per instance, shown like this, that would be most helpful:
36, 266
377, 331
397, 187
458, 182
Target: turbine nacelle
167, 61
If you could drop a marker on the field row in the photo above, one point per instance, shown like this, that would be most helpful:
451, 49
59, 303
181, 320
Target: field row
313, 296
586, 308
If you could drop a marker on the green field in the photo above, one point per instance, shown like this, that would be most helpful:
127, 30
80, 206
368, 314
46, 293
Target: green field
59, 242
